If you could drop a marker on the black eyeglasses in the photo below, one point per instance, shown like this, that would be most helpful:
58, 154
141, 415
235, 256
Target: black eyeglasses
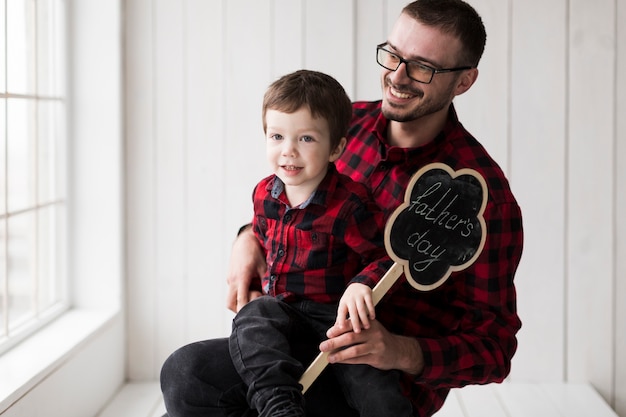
414, 70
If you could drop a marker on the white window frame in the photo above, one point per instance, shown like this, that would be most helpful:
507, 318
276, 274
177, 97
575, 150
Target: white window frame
75, 364
33, 274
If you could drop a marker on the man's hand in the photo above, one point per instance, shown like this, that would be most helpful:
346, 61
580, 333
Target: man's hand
374, 346
246, 264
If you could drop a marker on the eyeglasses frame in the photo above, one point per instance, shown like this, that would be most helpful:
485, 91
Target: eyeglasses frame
407, 61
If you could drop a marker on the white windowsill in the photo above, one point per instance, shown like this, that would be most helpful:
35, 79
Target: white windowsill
27, 364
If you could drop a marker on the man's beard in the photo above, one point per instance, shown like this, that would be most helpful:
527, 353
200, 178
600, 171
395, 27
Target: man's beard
426, 107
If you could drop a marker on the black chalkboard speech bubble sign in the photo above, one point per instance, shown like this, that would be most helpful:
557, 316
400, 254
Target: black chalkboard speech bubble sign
437, 230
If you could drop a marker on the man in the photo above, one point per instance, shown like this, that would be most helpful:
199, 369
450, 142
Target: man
461, 333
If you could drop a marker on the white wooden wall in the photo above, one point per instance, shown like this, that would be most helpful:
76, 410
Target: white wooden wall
549, 105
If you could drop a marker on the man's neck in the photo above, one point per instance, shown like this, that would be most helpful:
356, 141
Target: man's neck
416, 132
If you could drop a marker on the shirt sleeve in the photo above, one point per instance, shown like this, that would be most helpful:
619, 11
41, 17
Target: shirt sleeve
258, 228
365, 236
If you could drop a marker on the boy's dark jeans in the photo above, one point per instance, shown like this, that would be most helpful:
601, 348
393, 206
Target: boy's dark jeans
199, 380
266, 333
271, 345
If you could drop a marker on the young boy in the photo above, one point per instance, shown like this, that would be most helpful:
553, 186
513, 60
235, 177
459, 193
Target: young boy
323, 240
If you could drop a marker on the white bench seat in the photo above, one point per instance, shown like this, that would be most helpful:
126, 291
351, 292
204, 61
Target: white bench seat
526, 400
494, 400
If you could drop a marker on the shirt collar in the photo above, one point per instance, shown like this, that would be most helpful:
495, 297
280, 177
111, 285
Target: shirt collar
277, 192
317, 197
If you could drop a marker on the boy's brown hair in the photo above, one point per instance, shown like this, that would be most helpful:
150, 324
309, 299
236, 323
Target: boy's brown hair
320, 93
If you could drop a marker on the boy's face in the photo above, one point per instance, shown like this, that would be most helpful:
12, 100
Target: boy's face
298, 149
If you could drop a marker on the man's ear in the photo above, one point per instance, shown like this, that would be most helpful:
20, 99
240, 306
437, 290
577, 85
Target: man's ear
465, 81
336, 153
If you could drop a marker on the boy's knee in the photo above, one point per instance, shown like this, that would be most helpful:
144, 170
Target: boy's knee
172, 371
178, 369
260, 307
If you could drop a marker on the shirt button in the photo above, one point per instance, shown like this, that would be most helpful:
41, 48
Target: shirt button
287, 217
281, 253
382, 167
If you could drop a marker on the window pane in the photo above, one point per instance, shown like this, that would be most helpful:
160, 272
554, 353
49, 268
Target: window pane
3, 144
33, 282
51, 151
21, 268
3, 282
3, 219
20, 46
21, 154
2, 48
51, 272
50, 35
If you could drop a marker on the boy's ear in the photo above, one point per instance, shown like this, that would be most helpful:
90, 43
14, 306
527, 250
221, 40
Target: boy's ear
336, 153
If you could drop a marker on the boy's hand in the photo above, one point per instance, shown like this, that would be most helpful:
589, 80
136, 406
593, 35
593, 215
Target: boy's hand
357, 306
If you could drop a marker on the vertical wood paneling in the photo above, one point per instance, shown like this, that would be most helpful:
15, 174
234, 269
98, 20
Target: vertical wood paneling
590, 194
247, 74
141, 286
620, 209
537, 173
206, 143
171, 188
287, 25
394, 8
247, 77
329, 39
370, 30
489, 122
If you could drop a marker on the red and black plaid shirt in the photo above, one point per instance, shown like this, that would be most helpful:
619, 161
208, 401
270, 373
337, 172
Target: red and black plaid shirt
467, 326
315, 250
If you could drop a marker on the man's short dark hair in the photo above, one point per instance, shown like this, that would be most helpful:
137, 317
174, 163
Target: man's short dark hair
457, 18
